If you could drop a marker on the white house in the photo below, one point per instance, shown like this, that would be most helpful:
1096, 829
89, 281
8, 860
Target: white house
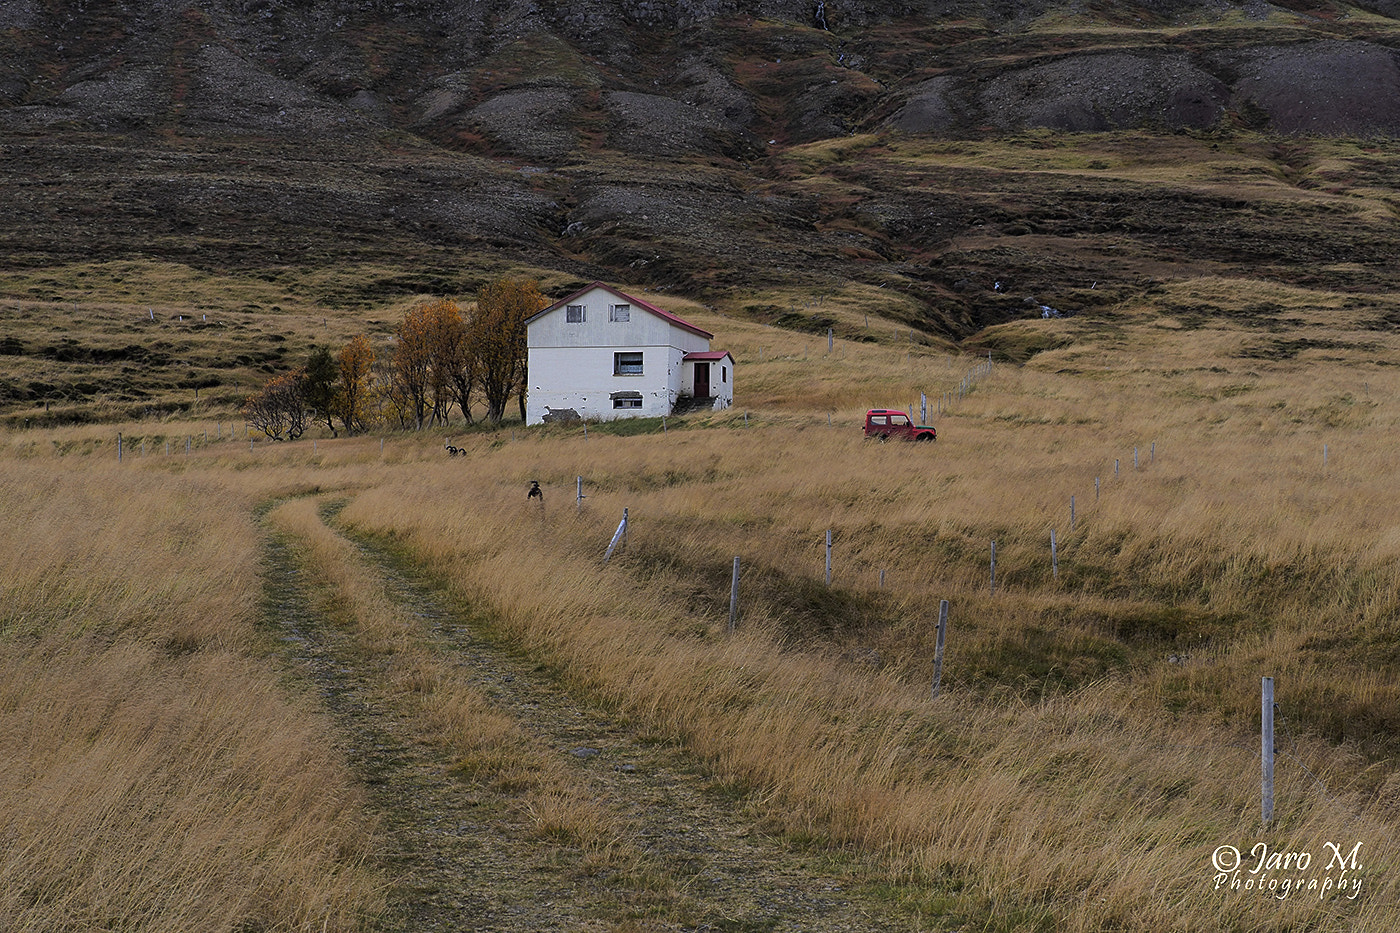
601, 354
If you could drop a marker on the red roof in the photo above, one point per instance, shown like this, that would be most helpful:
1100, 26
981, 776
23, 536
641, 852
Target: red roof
707, 355
645, 305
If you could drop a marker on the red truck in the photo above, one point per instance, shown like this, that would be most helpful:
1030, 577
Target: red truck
886, 423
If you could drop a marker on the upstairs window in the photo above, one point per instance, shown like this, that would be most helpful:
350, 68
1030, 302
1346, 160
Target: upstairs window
620, 314
574, 314
627, 364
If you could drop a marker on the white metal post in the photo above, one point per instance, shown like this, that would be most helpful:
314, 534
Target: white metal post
1266, 748
938, 645
734, 598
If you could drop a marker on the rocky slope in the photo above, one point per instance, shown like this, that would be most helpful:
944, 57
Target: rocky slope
630, 139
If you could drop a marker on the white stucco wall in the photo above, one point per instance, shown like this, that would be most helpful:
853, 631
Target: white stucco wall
571, 365
721, 380
643, 330
582, 379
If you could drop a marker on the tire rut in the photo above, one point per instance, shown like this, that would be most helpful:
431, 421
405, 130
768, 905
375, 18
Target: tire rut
462, 855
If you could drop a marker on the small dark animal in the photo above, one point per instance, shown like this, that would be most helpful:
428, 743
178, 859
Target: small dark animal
535, 491
453, 451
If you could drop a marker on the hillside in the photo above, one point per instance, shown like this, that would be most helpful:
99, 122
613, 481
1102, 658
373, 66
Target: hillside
1075, 154
1139, 259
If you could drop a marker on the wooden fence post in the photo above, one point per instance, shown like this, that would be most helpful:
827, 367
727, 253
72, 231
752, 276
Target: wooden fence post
994, 565
1054, 556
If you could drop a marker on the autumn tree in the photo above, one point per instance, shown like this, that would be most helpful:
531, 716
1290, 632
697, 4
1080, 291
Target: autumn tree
498, 339
433, 364
356, 360
279, 410
412, 364
461, 365
454, 367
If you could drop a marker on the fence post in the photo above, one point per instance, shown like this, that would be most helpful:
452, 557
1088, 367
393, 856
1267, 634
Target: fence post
734, 598
938, 645
1054, 556
1096, 489
1266, 748
994, 565
1071, 513
119, 447
618, 535
579, 498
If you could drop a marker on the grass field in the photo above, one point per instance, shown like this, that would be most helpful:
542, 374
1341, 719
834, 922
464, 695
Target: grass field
1226, 445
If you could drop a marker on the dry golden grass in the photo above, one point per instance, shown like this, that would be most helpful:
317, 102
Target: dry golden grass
153, 773
448, 709
1096, 736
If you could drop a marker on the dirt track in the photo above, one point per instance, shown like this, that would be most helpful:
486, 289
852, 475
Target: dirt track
461, 852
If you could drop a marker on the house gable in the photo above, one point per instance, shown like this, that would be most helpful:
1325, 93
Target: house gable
601, 316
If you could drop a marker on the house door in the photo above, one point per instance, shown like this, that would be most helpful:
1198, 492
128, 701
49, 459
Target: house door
702, 380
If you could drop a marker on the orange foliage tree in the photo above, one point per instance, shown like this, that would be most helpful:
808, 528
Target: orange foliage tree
498, 340
433, 366
412, 364
356, 360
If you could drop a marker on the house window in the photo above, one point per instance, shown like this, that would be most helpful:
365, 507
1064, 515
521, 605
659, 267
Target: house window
573, 314
724, 374
620, 314
627, 400
627, 364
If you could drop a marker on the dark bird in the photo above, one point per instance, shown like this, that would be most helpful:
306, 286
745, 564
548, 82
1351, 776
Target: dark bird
535, 491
